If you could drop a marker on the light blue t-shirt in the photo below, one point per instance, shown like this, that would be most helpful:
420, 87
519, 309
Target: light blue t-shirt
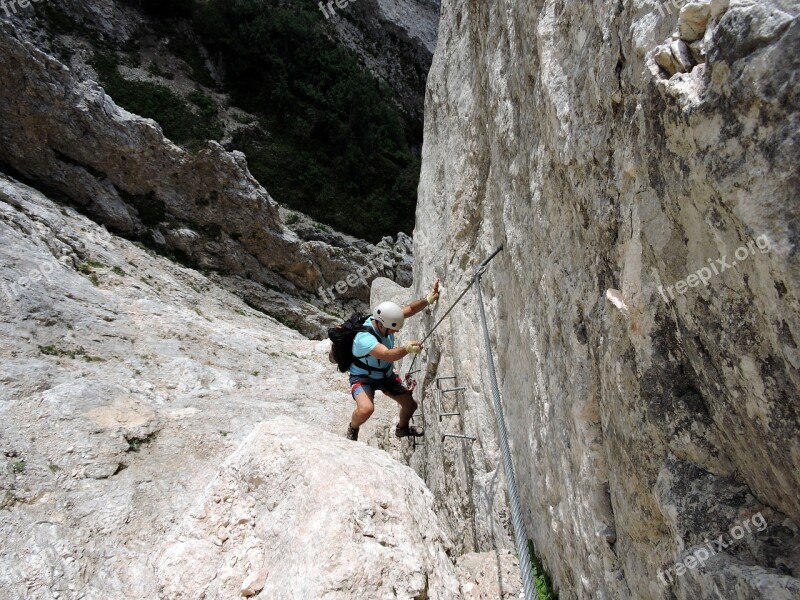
363, 344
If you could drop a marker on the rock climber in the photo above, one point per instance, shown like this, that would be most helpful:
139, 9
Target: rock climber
372, 367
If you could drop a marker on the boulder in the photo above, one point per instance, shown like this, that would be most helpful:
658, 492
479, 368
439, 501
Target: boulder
320, 516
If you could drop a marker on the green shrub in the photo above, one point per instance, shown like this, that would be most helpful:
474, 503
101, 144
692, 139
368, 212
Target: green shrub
544, 587
179, 122
339, 147
208, 109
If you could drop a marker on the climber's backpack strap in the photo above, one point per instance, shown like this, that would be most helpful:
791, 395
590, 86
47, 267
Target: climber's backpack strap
342, 337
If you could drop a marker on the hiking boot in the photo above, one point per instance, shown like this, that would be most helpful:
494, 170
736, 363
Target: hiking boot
408, 431
352, 433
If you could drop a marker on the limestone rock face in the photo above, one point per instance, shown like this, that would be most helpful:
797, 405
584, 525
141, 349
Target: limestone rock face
126, 380
490, 575
320, 516
644, 313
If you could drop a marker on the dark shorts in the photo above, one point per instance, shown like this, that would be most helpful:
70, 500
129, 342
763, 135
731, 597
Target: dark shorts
391, 386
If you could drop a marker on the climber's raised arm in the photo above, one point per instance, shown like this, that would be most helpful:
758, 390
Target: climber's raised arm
412, 308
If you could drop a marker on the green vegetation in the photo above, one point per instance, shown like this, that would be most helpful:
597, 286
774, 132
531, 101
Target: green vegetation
180, 123
286, 323
87, 268
91, 264
51, 350
156, 71
208, 110
338, 147
544, 587
19, 467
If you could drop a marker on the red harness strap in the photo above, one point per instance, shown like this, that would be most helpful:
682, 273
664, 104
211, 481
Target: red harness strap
411, 383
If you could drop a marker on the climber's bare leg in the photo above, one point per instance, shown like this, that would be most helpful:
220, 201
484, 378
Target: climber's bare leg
365, 406
408, 407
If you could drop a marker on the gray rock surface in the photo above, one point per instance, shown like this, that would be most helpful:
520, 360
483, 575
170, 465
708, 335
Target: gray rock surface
648, 410
490, 575
320, 516
125, 381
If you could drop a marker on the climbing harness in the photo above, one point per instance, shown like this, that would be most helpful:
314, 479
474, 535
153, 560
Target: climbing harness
411, 383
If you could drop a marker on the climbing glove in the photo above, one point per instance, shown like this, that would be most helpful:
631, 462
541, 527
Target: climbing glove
413, 347
434, 295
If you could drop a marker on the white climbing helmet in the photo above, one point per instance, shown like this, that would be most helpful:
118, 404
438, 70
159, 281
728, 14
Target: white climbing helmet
390, 315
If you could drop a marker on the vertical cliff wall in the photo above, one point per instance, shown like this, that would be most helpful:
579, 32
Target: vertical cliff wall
640, 164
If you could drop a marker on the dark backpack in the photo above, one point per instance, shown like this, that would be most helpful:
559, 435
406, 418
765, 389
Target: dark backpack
342, 337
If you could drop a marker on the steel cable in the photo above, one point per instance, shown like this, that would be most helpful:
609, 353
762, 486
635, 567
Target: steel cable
525, 564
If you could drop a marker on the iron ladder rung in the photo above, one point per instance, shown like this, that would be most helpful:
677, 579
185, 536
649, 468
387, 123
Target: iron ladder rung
460, 436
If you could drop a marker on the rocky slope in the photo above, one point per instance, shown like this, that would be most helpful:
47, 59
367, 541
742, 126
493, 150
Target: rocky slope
132, 462
640, 166
203, 207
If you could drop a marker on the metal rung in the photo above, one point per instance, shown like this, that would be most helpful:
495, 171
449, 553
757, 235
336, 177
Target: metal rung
439, 406
412, 372
450, 414
459, 436
438, 379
